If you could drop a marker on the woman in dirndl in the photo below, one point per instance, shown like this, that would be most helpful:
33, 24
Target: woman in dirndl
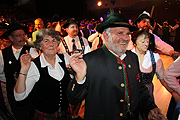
46, 78
149, 62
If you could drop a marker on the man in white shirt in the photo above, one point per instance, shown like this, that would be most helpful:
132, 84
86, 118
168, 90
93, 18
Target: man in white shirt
72, 42
10, 65
72, 39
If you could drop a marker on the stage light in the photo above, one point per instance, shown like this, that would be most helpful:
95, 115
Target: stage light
99, 3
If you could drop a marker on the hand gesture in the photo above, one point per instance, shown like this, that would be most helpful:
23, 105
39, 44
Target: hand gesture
155, 114
25, 60
78, 65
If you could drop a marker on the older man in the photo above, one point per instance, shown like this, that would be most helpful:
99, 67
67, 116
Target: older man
10, 65
109, 78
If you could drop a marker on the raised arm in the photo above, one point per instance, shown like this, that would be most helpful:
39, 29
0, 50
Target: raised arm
25, 60
77, 87
78, 65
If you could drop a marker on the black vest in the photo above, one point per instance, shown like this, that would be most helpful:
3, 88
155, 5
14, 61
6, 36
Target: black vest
49, 93
151, 43
11, 69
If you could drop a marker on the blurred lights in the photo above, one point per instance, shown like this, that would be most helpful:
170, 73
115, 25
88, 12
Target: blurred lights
99, 3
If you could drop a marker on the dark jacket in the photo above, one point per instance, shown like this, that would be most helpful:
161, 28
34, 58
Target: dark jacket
12, 67
103, 89
49, 93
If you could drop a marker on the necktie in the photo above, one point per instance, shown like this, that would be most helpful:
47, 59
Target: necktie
74, 46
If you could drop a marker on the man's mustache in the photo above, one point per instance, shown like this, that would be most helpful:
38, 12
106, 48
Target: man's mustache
126, 41
23, 40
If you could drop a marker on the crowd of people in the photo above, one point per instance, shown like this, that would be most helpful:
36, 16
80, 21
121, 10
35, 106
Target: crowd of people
87, 69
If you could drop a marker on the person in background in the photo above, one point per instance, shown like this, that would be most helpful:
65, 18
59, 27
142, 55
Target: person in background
96, 40
91, 28
109, 78
144, 22
39, 24
84, 30
72, 41
150, 63
177, 36
31, 29
166, 31
4, 103
29, 34
46, 77
10, 67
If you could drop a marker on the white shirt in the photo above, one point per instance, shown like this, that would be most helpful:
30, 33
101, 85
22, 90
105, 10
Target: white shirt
159, 44
33, 75
69, 43
171, 73
16, 53
162, 46
94, 38
146, 66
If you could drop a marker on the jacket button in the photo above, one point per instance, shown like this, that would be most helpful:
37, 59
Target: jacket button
121, 100
121, 114
119, 67
73, 87
122, 84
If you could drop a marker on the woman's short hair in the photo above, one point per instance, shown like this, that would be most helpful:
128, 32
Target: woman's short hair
41, 33
135, 34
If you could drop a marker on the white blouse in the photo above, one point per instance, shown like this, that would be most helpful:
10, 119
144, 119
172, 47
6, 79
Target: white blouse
146, 66
33, 74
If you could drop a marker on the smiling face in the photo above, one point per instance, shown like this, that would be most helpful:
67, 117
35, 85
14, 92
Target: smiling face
18, 38
144, 24
116, 39
49, 46
38, 24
